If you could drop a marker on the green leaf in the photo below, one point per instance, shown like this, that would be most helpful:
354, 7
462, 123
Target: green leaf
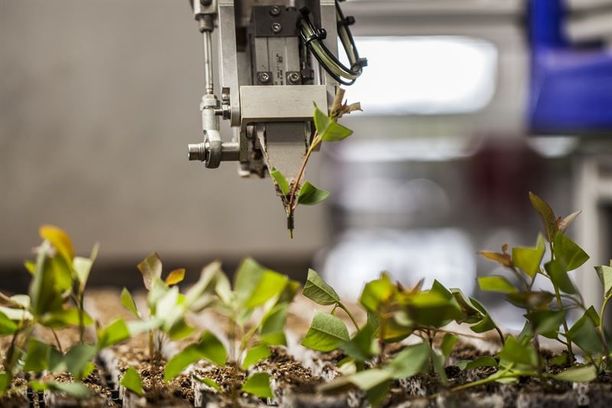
361, 346
212, 384
448, 344
410, 361
270, 285
66, 317
546, 214
486, 322
5, 381
59, 239
439, 363
76, 390
255, 355
132, 381
433, 308
377, 292
82, 268
546, 322
605, 276
180, 330
378, 394
175, 277
559, 276
497, 284
114, 333
7, 326
311, 195
248, 276
584, 332
151, 269
519, 353
280, 180
78, 357
484, 361
568, 252
585, 373
50, 284
317, 290
530, 300
127, 301
37, 356
529, 259
274, 339
368, 379
209, 347
326, 333
258, 384
329, 130
274, 320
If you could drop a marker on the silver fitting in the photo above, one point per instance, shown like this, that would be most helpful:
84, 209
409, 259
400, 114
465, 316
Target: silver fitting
197, 152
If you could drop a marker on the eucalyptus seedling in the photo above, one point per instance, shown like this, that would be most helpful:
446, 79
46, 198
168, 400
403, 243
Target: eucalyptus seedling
256, 308
298, 191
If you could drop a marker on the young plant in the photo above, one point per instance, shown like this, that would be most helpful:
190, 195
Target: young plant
297, 191
256, 309
56, 300
167, 308
394, 313
546, 312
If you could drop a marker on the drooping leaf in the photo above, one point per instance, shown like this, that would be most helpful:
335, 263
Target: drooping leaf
326, 333
50, 284
361, 346
76, 390
439, 362
585, 373
559, 276
568, 253
116, 332
258, 384
486, 322
254, 355
37, 356
605, 276
497, 284
132, 381
195, 298
317, 290
59, 239
377, 292
151, 269
500, 258
209, 347
547, 215
448, 344
329, 130
210, 383
529, 259
78, 357
128, 302
311, 195
584, 332
7, 326
66, 317
280, 180
410, 361
175, 277
546, 322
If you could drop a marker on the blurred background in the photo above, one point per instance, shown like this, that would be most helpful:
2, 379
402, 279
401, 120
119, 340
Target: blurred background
468, 105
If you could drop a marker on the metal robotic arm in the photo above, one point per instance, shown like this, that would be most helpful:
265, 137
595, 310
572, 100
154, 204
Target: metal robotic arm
276, 58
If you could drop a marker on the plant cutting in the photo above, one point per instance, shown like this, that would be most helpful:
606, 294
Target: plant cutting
299, 191
255, 307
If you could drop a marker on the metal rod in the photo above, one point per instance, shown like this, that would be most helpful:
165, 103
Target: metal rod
208, 63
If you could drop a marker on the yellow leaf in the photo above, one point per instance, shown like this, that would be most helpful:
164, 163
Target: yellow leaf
176, 276
59, 239
502, 259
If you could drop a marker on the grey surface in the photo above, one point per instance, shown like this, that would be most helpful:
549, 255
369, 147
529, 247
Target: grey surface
98, 100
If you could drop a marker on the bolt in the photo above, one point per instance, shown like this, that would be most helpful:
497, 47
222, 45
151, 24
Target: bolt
275, 11
197, 152
276, 28
294, 77
263, 77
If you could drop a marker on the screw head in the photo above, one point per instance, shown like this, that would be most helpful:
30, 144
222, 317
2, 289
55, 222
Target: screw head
276, 28
263, 77
294, 77
275, 11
